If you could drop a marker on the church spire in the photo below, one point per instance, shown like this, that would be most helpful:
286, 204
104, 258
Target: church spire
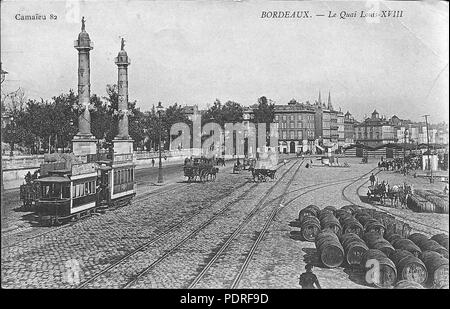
330, 106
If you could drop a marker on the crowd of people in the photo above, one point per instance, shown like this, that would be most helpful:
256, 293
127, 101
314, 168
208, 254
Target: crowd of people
401, 165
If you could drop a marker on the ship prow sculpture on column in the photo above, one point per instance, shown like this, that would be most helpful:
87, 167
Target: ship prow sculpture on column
123, 144
84, 143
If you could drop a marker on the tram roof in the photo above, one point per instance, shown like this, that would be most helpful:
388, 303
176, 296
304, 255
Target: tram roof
57, 179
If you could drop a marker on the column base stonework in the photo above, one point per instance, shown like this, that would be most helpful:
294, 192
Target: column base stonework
84, 145
123, 146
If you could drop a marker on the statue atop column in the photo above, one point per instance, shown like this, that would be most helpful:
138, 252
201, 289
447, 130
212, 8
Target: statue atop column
122, 46
83, 25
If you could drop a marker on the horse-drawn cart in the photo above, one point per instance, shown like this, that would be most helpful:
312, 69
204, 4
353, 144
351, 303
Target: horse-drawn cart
264, 168
376, 193
200, 169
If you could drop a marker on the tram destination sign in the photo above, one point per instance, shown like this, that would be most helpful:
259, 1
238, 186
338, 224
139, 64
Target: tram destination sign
84, 168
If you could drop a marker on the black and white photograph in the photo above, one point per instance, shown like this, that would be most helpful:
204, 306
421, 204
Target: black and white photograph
232, 145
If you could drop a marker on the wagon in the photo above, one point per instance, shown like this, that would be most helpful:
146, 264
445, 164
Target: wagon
262, 174
200, 170
248, 164
375, 193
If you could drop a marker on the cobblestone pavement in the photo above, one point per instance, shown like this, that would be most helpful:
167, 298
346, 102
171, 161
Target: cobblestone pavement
174, 236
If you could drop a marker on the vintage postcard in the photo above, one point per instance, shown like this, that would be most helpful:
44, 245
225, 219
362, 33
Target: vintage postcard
221, 145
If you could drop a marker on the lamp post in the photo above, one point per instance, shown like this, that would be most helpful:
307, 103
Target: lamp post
4, 223
405, 134
428, 146
159, 110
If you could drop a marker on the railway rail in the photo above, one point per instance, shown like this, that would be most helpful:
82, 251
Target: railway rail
166, 232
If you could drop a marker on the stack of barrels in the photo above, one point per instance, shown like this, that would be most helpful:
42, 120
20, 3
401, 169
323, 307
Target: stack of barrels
362, 238
435, 257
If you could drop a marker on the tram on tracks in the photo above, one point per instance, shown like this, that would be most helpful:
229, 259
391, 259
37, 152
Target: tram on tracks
75, 187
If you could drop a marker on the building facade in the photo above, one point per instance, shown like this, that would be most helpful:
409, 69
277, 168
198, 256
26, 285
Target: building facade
349, 129
374, 131
296, 127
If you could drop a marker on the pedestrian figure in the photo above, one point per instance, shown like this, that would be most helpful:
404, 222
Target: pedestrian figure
153, 162
284, 162
308, 280
28, 178
372, 179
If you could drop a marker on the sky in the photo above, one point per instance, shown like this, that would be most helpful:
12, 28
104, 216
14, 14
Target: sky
192, 52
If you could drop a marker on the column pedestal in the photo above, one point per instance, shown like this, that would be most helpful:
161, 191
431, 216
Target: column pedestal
84, 145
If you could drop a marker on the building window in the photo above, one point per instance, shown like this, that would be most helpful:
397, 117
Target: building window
284, 135
276, 117
292, 125
299, 125
284, 117
300, 134
292, 134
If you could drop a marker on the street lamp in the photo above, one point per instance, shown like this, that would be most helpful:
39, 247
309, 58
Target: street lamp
428, 146
159, 110
405, 134
4, 223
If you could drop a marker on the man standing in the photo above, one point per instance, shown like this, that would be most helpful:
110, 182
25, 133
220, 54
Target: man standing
372, 179
308, 280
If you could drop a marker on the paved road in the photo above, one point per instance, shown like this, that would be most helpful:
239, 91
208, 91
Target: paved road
227, 233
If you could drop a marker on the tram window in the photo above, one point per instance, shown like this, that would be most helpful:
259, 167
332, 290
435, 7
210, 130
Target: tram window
52, 190
66, 191
132, 175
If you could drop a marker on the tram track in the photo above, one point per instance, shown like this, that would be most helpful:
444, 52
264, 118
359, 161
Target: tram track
282, 204
166, 232
141, 274
257, 209
141, 197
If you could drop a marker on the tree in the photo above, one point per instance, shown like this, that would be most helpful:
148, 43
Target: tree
265, 112
173, 114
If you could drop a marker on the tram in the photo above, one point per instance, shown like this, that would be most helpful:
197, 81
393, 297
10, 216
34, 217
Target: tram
70, 188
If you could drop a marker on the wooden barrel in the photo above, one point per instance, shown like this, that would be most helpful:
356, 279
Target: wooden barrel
342, 213
329, 249
406, 284
354, 248
413, 269
310, 212
406, 244
331, 208
398, 255
374, 226
315, 208
383, 245
387, 271
393, 237
442, 239
416, 237
352, 208
349, 237
376, 241
310, 227
351, 225
324, 213
431, 245
437, 267
331, 222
